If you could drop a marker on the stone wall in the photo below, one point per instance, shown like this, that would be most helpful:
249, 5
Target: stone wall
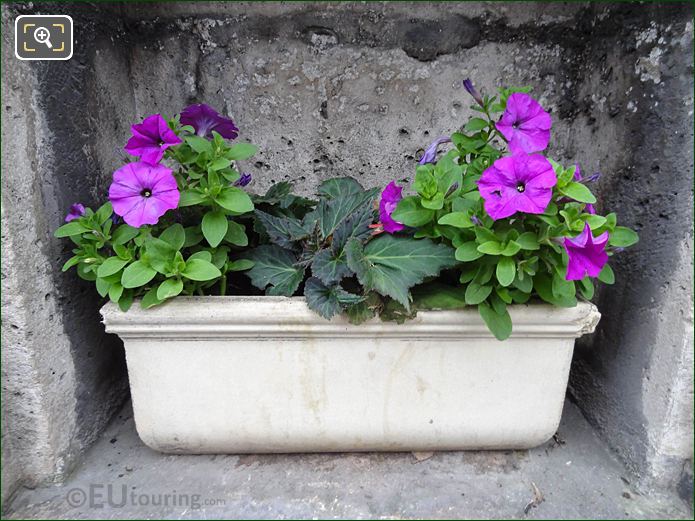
351, 89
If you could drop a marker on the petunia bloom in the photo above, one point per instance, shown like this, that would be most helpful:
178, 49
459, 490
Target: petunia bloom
151, 138
142, 192
243, 180
517, 183
578, 177
525, 124
390, 198
468, 85
204, 119
76, 211
587, 254
430, 154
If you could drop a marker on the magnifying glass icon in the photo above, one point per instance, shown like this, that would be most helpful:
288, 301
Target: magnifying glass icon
43, 35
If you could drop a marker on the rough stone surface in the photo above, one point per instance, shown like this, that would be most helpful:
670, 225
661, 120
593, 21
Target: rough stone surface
356, 89
575, 474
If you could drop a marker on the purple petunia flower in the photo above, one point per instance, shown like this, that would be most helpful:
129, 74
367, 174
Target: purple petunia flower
517, 183
151, 138
243, 180
76, 211
578, 177
468, 85
204, 119
587, 254
525, 124
430, 154
390, 197
142, 192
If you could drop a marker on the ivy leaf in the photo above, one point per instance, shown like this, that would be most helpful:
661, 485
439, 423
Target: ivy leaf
622, 237
214, 227
500, 325
506, 271
578, 192
169, 288
137, 274
391, 265
275, 266
283, 231
200, 270
340, 187
110, 266
330, 266
328, 301
411, 213
234, 199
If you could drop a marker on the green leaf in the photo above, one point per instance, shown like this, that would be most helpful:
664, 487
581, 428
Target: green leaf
578, 192
586, 287
71, 262
236, 234
435, 295
356, 225
491, 248
391, 265
328, 301
104, 212
169, 288
528, 241
190, 198
241, 151
411, 213
561, 288
475, 124
124, 233
512, 248
150, 299
115, 292
339, 187
468, 251
193, 236
500, 325
102, 286
205, 255
506, 271
201, 270
137, 274
475, 293
457, 219
240, 265
434, 203
607, 276
174, 235
330, 266
125, 301
110, 266
330, 213
220, 163
70, 229
275, 266
234, 199
622, 237
543, 283
214, 227
199, 144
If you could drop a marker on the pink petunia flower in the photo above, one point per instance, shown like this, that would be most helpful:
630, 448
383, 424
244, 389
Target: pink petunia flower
151, 138
142, 192
204, 119
587, 254
390, 198
525, 124
518, 183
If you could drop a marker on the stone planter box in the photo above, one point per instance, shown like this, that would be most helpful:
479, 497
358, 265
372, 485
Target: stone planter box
265, 374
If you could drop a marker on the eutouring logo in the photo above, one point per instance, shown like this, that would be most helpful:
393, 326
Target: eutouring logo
99, 495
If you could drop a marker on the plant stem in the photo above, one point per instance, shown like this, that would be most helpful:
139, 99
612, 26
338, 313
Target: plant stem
223, 285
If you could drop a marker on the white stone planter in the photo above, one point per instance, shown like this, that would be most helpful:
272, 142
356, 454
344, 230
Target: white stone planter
265, 374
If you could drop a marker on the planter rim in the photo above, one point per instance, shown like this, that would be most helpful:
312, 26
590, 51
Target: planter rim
233, 317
